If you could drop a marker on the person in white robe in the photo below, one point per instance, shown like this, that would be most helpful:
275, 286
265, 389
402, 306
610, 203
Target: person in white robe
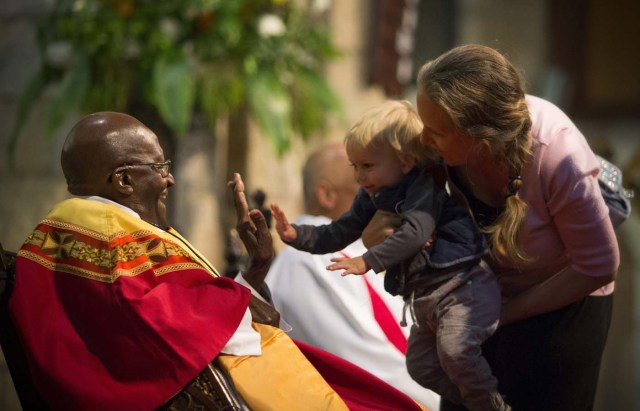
353, 316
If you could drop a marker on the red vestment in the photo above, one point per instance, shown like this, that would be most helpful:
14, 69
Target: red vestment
115, 315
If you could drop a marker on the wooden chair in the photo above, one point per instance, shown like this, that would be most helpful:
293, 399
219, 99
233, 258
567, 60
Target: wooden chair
209, 391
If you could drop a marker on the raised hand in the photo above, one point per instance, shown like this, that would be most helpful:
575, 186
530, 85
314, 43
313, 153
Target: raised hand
355, 265
285, 230
254, 233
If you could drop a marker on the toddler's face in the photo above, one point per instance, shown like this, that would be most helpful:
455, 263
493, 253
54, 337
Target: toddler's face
377, 167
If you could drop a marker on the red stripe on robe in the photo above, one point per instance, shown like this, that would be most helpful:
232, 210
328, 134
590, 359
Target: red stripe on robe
359, 389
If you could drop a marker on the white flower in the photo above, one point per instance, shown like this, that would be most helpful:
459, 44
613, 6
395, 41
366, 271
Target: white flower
320, 6
271, 25
131, 49
79, 5
170, 28
59, 54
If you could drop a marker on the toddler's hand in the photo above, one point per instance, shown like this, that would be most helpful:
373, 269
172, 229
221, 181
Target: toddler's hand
355, 265
285, 230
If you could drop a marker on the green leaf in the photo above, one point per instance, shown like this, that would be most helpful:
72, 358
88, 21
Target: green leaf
222, 89
157, 55
174, 89
314, 100
271, 108
70, 94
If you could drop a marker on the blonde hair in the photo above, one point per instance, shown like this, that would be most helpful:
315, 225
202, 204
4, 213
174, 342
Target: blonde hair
484, 95
394, 122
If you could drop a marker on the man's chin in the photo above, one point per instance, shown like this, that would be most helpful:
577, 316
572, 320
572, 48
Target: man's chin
160, 219
162, 222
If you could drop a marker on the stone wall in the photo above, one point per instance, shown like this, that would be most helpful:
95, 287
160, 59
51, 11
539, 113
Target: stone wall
35, 183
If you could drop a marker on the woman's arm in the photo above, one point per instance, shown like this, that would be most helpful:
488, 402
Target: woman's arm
569, 198
564, 288
381, 226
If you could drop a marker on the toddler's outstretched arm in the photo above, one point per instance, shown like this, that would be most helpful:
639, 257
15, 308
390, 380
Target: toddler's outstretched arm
355, 265
285, 230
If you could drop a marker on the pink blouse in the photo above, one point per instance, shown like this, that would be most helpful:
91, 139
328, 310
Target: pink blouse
567, 221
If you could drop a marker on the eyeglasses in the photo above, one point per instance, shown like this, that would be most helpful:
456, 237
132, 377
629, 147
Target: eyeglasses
163, 168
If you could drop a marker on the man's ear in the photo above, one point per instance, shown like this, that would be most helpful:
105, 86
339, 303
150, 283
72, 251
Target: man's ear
326, 195
121, 182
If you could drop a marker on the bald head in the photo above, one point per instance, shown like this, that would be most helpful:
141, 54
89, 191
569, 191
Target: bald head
98, 144
328, 181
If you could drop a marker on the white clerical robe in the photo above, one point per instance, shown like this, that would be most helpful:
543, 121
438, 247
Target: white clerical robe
335, 313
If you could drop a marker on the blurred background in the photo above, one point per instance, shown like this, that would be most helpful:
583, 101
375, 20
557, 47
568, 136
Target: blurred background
252, 86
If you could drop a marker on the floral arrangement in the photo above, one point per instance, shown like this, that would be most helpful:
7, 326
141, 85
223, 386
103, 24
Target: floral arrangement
186, 56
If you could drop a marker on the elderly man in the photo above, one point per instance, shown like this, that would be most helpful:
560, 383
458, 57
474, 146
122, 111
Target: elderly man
352, 317
117, 311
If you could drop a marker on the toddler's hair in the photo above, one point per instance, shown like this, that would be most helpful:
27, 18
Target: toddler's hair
395, 122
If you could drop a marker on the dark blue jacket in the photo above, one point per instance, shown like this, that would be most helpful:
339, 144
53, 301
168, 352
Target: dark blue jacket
424, 205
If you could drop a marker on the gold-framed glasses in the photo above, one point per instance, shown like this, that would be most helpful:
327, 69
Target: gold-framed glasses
162, 168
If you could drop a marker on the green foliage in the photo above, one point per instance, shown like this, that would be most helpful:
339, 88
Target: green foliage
272, 108
174, 92
182, 56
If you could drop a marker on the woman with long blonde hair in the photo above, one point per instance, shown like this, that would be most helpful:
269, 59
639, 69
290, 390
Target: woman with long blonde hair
529, 178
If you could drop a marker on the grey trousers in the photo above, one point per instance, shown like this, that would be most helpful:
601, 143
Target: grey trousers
444, 352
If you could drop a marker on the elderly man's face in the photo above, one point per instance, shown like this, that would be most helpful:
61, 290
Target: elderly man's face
151, 179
